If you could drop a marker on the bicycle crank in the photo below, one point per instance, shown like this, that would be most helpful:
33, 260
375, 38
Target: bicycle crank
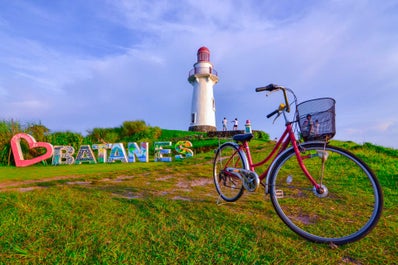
250, 179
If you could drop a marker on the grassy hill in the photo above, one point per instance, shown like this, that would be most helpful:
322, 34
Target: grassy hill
167, 213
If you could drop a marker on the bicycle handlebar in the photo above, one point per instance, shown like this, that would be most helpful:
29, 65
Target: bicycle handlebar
271, 88
272, 113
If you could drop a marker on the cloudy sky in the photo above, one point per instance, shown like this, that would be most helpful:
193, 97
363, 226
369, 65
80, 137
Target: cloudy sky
78, 65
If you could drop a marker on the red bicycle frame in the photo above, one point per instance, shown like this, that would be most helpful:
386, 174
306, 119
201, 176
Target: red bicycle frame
282, 144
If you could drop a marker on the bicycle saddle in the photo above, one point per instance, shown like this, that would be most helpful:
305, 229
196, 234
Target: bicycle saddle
242, 137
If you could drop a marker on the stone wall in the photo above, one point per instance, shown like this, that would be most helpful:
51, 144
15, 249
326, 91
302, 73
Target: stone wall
202, 128
224, 134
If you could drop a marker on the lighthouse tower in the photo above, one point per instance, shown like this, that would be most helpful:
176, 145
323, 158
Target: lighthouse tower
203, 77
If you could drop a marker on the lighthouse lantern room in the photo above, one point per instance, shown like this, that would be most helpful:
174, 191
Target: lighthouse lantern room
203, 77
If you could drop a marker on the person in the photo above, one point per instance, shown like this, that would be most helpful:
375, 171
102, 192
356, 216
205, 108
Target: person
224, 124
316, 128
235, 122
308, 126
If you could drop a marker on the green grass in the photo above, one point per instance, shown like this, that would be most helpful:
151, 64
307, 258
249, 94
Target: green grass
166, 213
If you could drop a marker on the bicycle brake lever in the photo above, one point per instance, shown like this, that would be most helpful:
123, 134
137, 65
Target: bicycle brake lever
277, 116
269, 93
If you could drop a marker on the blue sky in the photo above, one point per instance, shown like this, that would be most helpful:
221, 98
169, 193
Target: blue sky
78, 65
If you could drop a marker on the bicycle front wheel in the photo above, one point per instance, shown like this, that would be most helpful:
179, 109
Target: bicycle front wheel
349, 205
228, 185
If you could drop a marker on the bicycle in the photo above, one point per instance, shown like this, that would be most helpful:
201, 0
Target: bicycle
323, 193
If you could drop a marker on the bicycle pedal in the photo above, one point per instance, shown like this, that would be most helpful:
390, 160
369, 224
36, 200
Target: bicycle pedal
279, 194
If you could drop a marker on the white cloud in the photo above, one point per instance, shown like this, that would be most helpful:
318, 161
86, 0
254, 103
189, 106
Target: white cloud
101, 64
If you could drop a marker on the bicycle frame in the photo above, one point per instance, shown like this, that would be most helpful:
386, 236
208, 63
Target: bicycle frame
300, 206
281, 146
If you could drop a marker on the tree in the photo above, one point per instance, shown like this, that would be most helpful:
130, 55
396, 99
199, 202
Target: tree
134, 130
67, 138
38, 131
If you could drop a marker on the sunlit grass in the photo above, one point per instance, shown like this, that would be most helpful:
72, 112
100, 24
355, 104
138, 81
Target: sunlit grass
165, 213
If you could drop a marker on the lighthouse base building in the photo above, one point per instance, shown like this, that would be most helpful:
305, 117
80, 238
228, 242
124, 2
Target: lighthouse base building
202, 78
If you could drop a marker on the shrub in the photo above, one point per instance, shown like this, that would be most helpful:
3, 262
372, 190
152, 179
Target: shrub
260, 135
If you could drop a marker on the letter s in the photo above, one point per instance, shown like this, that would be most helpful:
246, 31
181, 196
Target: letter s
182, 148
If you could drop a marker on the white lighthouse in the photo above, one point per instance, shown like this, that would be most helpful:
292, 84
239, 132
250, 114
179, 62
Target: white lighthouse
203, 77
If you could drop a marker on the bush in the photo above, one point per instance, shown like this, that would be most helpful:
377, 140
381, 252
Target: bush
7, 130
260, 135
67, 138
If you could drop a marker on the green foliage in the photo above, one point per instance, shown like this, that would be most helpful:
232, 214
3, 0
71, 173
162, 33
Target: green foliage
134, 129
381, 150
130, 131
38, 131
104, 135
67, 138
7, 130
177, 134
260, 135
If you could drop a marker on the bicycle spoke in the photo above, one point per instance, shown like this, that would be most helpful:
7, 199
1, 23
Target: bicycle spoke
228, 186
347, 210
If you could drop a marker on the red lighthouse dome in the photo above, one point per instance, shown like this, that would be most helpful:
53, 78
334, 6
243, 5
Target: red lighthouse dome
203, 54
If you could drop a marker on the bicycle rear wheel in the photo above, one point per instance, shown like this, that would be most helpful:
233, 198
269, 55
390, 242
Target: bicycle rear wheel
347, 210
229, 186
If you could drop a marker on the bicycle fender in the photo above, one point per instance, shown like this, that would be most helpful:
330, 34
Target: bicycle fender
271, 168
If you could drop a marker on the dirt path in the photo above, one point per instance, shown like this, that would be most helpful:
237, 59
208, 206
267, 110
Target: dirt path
13, 184
29, 185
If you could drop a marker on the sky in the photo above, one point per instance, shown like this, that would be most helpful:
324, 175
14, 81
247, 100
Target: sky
78, 65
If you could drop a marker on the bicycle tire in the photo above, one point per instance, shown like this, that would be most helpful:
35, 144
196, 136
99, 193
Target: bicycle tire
353, 200
229, 187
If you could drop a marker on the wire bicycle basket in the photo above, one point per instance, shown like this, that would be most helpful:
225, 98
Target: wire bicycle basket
316, 119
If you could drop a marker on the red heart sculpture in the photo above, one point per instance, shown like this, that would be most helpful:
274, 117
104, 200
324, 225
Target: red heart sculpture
18, 155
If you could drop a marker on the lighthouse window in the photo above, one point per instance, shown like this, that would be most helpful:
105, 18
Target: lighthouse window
193, 117
214, 104
203, 57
